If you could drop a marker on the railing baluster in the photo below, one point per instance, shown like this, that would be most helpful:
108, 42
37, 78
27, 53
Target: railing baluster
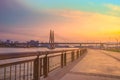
20, 72
10, 72
33, 69
24, 72
4, 73
27, 71
15, 72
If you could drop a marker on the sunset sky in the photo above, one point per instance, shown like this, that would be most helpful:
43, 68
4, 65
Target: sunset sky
71, 20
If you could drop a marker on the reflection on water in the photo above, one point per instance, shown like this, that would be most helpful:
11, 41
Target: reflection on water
13, 50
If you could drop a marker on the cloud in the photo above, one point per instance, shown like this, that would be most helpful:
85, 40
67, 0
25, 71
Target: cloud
22, 34
18, 20
13, 13
68, 13
114, 9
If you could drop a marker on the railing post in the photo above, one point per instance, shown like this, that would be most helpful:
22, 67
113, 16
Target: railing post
72, 56
40, 67
36, 74
48, 64
81, 52
45, 66
62, 60
65, 59
77, 53
85, 50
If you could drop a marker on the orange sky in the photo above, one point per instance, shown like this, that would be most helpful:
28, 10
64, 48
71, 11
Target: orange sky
77, 21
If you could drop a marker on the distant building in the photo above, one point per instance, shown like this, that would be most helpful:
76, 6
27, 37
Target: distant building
7, 43
33, 43
1, 43
21, 45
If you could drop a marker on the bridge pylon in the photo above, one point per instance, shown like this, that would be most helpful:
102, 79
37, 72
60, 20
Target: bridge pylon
51, 40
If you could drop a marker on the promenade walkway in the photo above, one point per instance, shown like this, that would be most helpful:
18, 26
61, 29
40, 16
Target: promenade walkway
96, 65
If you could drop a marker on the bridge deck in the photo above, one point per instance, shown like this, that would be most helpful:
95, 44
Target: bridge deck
96, 65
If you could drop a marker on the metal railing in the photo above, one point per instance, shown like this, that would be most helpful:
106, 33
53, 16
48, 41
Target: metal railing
34, 65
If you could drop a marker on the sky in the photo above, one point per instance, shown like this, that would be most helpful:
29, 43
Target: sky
71, 20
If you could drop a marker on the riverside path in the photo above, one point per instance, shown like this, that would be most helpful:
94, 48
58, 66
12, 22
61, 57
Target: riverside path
95, 65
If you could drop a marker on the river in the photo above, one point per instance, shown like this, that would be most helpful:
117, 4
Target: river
15, 50
52, 62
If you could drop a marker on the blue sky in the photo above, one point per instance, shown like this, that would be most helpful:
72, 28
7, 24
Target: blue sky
22, 16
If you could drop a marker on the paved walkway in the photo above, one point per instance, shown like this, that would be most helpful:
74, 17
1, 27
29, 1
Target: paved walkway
96, 65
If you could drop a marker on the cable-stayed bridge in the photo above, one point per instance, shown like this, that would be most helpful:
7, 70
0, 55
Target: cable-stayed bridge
66, 43
55, 40
65, 64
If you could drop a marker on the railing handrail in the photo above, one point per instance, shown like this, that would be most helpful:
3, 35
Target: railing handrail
4, 56
36, 65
